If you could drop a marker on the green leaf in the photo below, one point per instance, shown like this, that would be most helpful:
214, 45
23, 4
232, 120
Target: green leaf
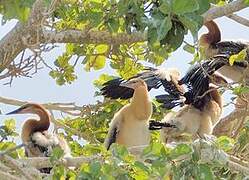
175, 36
95, 61
165, 7
204, 5
154, 149
164, 28
189, 48
102, 48
9, 145
62, 61
246, 2
238, 57
95, 18
225, 143
142, 166
59, 172
113, 25
99, 62
123, 7
240, 90
192, 22
152, 35
10, 124
180, 150
56, 154
129, 68
95, 169
120, 151
205, 172
102, 79
184, 6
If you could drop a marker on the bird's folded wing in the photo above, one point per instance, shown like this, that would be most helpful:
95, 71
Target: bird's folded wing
112, 135
231, 47
113, 131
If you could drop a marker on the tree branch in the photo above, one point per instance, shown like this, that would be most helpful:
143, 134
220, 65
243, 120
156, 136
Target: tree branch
43, 162
7, 176
16, 166
203, 148
69, 108
239, 19
225, 125
216, 12
86, 36
236, 18
16, 40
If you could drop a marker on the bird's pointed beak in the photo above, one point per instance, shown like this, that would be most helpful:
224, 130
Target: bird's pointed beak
17, 111
219, 79
126, 84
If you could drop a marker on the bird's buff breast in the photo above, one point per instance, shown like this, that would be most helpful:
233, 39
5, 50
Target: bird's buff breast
135, 133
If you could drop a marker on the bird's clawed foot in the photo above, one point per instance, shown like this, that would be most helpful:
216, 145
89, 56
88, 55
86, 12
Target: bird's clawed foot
156, 125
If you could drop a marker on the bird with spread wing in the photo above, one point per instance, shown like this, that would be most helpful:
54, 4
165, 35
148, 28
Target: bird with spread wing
129, 125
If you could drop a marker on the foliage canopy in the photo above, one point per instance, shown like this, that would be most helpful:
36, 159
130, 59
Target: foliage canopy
163, 23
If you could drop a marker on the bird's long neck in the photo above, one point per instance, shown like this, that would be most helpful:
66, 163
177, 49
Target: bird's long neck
32, 125
44, 122
141, 103
216, 97
213, 36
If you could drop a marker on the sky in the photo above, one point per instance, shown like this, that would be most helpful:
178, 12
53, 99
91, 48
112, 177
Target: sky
41, 88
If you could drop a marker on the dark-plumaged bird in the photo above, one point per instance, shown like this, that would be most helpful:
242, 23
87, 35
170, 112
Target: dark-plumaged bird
202, 104
39, 142
210, 44
129, 125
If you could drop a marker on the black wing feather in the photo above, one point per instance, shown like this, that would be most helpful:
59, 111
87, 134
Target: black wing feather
112, 88
197, 80
230, 47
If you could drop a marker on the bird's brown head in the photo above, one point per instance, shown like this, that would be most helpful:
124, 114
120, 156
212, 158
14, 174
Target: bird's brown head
134, 83
27, 108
